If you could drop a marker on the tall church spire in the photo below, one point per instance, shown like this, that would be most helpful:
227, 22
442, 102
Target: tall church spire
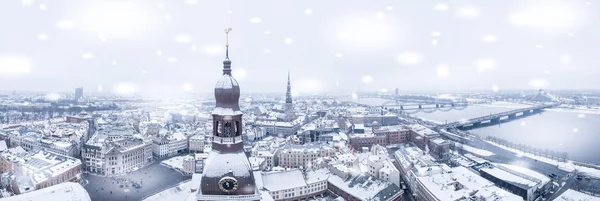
288, 93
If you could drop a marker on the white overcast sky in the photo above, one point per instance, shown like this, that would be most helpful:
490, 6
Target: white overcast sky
159, 46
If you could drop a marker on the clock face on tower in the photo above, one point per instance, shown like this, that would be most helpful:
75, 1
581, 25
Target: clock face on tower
228, 184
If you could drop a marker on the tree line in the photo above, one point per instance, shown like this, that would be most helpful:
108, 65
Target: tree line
550, 154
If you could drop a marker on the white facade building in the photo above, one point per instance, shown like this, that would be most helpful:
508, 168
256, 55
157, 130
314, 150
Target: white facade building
116, 149
196, 143
296, 156
294, 185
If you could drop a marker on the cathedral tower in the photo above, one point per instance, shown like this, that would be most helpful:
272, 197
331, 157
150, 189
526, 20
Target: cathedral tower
227, 173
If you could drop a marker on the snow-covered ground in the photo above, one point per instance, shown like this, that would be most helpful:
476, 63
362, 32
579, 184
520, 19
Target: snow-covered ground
480, 152
566, 166
575, 110
573, 195
175, 162
181, 192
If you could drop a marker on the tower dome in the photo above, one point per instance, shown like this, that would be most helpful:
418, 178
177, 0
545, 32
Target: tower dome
227, 91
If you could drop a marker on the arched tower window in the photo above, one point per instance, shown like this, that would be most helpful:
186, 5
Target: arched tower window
228, 131
218, 128
237, 128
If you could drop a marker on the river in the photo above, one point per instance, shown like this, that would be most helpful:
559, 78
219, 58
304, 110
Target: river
573, 131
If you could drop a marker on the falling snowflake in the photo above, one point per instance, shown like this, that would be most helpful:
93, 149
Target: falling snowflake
339, 55
101, 37
468, 12
308, 11
484, 64
539, 46
550, 14
99, 88
409, 58
538, 83
436, 33
288, 41
167, 16
267, 51
87, 55
158, 52
570, 34
144, 72
187, 86
575, 130
441, 7
43, 7
443, 71
27, 2
495, 88
42, 37
389, 8
489, 38
380, 15
434, 42
255, 20
125, 88
183, 38
192, 2
337, 83
114, 63
354, 96
581, 115
172, 59
384, 90
194, 48
267, 32
523, 123
367, 79
547, 72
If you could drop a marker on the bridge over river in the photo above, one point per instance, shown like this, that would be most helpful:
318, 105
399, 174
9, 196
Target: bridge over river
495, 118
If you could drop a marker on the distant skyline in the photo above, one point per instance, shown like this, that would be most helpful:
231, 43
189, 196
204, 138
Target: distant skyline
170, 47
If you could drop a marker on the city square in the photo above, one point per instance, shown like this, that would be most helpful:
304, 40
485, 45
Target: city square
152, 179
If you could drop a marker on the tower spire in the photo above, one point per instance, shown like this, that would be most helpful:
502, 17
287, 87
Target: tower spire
288, 93
227, 62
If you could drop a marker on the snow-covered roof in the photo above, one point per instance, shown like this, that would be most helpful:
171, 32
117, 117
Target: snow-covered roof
226, 82
276, 181
365, 187
258, 180
67, 191
238, 163
3, 146
226, 111
573, 195
45, 165
314, 176
196, 180
443, 186
516, 175
422, 130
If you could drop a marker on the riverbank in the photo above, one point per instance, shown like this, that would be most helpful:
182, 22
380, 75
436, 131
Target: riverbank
566, 166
